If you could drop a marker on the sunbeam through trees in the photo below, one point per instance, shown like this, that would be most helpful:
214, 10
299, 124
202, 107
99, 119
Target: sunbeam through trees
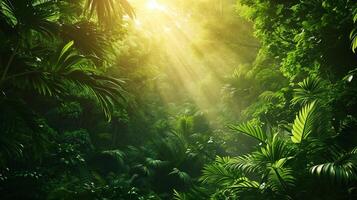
178, 99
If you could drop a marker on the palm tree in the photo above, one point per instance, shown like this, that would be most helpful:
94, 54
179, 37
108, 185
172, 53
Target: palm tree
38, 56
107, 10
52, 76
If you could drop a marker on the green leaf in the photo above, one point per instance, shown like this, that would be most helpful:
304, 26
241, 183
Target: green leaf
65, 50
344, 169
281, 178
250, 163
303, 123
185, 177
245, 184
310, 89
180, 196
250, 130
353, 37
219, 173
154, 162
108, 10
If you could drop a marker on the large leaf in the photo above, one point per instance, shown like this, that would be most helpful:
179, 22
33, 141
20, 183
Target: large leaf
88, 38
28, 15
246, 184
310, 89
353, 35
71, 74
108, 10
280, 178
344, 169
244, 188
303, 123
250, 163
219, 173
276, 149
250, 130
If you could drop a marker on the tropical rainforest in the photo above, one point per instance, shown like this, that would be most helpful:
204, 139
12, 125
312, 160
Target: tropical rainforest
178, 99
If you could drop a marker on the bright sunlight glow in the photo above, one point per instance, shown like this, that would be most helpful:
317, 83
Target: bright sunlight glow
191, 60
154, 5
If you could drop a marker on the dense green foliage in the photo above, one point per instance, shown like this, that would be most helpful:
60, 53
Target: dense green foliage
259, 102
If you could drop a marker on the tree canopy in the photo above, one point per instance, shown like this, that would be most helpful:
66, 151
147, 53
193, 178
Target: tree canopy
178, 99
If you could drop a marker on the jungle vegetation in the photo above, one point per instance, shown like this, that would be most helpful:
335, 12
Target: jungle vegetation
178, 99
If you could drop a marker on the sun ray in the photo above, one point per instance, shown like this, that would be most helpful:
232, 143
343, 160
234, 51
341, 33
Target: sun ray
193, 62
154, 5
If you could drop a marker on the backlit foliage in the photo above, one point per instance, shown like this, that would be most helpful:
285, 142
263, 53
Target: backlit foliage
178, 99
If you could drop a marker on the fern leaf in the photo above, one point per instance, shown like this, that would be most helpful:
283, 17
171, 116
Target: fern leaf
250, 130
303, 123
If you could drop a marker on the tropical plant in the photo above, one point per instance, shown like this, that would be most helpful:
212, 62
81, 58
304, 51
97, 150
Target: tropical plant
252, 131
310, 89
341, 170
353, 34
108, 10
293, 93
43, 58
273, 171
303, 123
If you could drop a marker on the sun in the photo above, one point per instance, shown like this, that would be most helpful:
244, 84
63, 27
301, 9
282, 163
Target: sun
154, 5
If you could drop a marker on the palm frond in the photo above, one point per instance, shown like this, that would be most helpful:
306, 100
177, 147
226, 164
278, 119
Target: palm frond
245, 184
108, 10
34, 15
249, 163
219, 173
71, 72
353, 34
172, 148
185, 125
88, 39
281, 178
353, 37
250, 130
303, 123
342, 170
270, 96
246, 188
310, 89
180, 196
276, 150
